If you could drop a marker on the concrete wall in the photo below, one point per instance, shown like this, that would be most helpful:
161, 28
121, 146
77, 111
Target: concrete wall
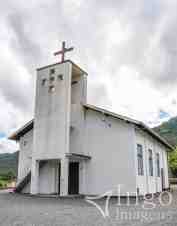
52, 112
110, 143
48, 178
25, 154
147, 183
78, 97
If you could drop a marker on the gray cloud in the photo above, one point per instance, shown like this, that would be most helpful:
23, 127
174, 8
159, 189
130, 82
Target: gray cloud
23, 42
98, 95
144, 37
150, 49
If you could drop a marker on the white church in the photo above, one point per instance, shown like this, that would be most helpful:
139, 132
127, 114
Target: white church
71, 147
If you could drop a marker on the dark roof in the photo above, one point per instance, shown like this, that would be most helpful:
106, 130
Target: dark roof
20, 132
78, 156
27, 127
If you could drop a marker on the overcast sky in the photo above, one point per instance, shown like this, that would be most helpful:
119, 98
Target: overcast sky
128, 48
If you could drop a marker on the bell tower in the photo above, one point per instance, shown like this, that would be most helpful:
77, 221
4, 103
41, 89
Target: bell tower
61, 90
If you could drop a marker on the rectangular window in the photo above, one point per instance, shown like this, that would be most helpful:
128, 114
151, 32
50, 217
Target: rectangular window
150, 163
140, 159
158, 164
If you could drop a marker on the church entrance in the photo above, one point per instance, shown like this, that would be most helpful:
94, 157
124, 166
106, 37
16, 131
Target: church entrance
73, 180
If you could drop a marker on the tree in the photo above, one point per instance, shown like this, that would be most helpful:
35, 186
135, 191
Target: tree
10, 175
173, 162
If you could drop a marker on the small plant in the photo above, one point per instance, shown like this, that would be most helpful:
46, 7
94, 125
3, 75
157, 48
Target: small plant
1, 185
173, 162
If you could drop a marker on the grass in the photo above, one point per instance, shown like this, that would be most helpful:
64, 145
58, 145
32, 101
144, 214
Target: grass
3, 183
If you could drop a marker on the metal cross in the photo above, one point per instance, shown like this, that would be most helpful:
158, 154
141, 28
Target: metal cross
63, 51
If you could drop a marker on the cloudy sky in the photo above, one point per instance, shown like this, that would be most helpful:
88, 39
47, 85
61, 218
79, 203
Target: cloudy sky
129, 49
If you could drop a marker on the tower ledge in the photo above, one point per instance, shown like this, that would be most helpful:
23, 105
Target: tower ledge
76, 68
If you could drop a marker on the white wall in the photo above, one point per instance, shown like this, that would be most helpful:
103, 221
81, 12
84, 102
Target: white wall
147, 183
52, 113
25, 154
112, 152
48, 179
78, 97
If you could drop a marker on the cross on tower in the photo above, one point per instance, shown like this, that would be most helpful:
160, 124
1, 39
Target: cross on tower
63, 51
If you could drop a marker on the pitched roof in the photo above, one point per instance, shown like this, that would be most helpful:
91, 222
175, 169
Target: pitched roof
20, 132
139, 124
28, 126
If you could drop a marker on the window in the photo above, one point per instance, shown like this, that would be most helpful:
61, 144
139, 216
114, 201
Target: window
150, 163
74, 82
51, 89
60, 77
158, 164
44, 81
140, 159
52, 71
52, 78
25, 143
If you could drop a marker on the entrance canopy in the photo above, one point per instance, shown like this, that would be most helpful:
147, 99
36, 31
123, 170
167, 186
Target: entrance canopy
78, 156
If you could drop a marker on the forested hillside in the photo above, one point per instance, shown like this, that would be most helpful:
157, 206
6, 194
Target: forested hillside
168, 130
8, 163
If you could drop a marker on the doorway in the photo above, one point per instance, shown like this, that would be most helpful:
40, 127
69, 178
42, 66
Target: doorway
59, 173
73, 180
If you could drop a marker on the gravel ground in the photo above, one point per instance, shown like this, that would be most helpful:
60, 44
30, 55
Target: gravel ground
17, 210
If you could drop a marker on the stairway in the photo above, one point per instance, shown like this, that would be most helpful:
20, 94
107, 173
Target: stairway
27, 179
23, 182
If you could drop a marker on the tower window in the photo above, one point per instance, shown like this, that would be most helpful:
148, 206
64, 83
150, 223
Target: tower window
52, 78
74, 82
60, 77
25, 143
52, 71
51, 89
44, 81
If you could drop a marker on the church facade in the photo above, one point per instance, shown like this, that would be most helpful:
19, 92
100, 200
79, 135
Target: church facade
71, 147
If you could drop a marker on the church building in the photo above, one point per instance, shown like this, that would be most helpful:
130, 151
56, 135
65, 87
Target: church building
71, 147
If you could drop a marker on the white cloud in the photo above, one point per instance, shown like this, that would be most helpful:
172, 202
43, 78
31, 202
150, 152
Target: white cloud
127, 47
8, 146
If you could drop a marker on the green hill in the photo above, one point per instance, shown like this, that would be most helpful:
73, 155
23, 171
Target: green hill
168, 130
8, 163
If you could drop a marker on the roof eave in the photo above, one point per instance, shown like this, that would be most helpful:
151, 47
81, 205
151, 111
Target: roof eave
20, 132
157, 136
135, 122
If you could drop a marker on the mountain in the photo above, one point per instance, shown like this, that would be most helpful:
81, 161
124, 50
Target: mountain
168, 130
8, 163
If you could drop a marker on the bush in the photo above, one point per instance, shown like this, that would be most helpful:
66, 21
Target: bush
173, 162
7, 176
1, 184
